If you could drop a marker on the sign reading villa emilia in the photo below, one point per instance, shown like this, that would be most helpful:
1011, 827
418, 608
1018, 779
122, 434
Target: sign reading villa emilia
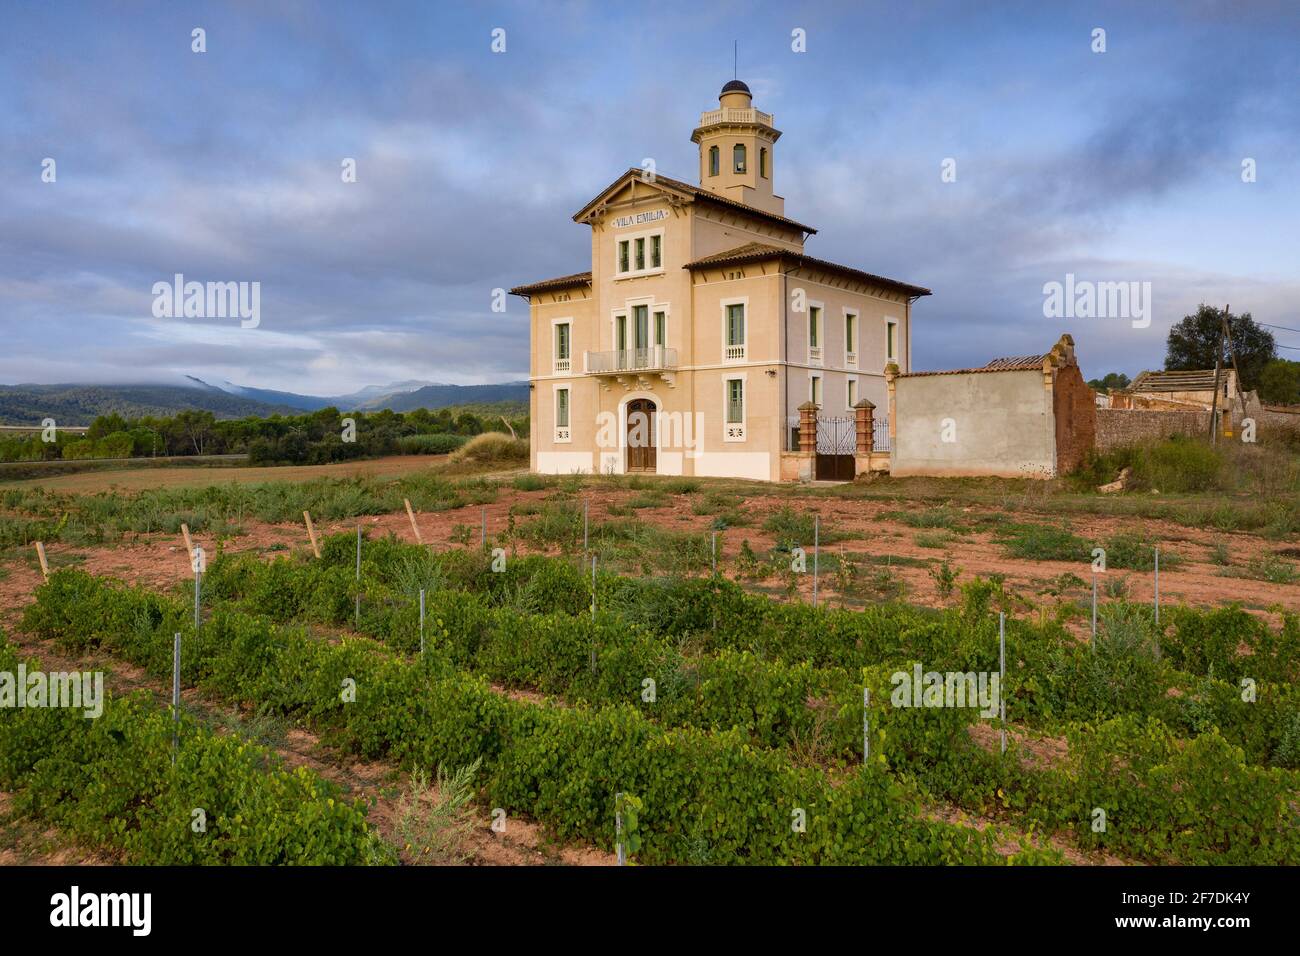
641, 217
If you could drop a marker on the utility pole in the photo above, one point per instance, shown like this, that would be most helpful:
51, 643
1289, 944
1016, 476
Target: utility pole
1232, 353
1214, 403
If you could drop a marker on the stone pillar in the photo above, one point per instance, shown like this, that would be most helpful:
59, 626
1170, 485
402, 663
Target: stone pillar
866, 412
808, 428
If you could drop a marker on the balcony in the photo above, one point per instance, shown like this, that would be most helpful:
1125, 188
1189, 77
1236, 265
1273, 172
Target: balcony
814, 355
634, 366
562, 366
713, 117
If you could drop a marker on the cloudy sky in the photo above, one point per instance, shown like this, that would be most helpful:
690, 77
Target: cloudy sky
225, 166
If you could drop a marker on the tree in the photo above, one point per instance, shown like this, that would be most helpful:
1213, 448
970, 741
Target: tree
195, 428
1194, 340
105, 425
1279, 384
1110, 382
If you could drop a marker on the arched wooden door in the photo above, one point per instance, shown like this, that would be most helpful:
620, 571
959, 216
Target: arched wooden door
641, 452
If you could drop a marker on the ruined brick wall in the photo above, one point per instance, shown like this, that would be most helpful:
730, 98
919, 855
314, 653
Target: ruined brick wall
1076, 419
1117, 427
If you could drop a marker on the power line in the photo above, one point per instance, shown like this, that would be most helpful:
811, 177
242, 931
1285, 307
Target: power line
1284, 328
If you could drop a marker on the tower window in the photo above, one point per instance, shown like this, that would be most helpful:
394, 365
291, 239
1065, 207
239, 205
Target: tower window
762, 161
738, 157
713, 160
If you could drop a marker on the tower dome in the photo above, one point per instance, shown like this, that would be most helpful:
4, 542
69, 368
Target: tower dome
736, 149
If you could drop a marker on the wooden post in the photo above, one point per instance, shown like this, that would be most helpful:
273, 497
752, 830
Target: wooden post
419, 538
311, 534
1232, 353
1214, 403
189, 545
40, 554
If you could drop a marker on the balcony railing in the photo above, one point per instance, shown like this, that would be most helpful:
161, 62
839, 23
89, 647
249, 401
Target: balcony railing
656, 358
735, 353
851, 359
562, 366
730, 115
814, 355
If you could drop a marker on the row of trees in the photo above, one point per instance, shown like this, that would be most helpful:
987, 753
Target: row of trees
314, 438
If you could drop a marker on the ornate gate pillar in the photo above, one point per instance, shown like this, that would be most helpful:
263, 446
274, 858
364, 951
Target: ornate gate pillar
808, 428
865, 410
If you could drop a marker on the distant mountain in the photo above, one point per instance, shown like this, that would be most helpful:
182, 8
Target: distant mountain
399, 396
434, 397
310, 403
371, 392
81, 404
302, 403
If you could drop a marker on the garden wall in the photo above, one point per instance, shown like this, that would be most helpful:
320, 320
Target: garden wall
1117, 427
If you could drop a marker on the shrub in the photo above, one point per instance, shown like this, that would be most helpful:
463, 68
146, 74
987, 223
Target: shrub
1037, 542
492, 448
441, 444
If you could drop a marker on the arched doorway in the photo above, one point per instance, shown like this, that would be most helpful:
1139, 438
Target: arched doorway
641, 451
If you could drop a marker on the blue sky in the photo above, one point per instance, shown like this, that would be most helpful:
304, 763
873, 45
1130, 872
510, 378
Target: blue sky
225, 166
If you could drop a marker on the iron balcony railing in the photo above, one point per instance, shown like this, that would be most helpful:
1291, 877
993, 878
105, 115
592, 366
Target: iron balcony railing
656, 358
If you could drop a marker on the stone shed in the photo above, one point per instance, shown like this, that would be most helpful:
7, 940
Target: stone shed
1030, 416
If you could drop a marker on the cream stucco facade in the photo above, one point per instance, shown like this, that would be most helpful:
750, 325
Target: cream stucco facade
689, 346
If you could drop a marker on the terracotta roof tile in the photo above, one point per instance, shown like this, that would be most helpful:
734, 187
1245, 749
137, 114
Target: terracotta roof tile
698, 193
560, 282
1015, 362
754, 251
1195, 380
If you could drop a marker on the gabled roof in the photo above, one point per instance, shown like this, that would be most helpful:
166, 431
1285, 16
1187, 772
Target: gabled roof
1062, 354
755, 251
546, 285
1015, 362
696, 193
1195, 380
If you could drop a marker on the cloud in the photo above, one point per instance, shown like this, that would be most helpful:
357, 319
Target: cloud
226, 167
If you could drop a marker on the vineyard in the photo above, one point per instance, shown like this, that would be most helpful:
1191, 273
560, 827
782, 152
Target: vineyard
682, 717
